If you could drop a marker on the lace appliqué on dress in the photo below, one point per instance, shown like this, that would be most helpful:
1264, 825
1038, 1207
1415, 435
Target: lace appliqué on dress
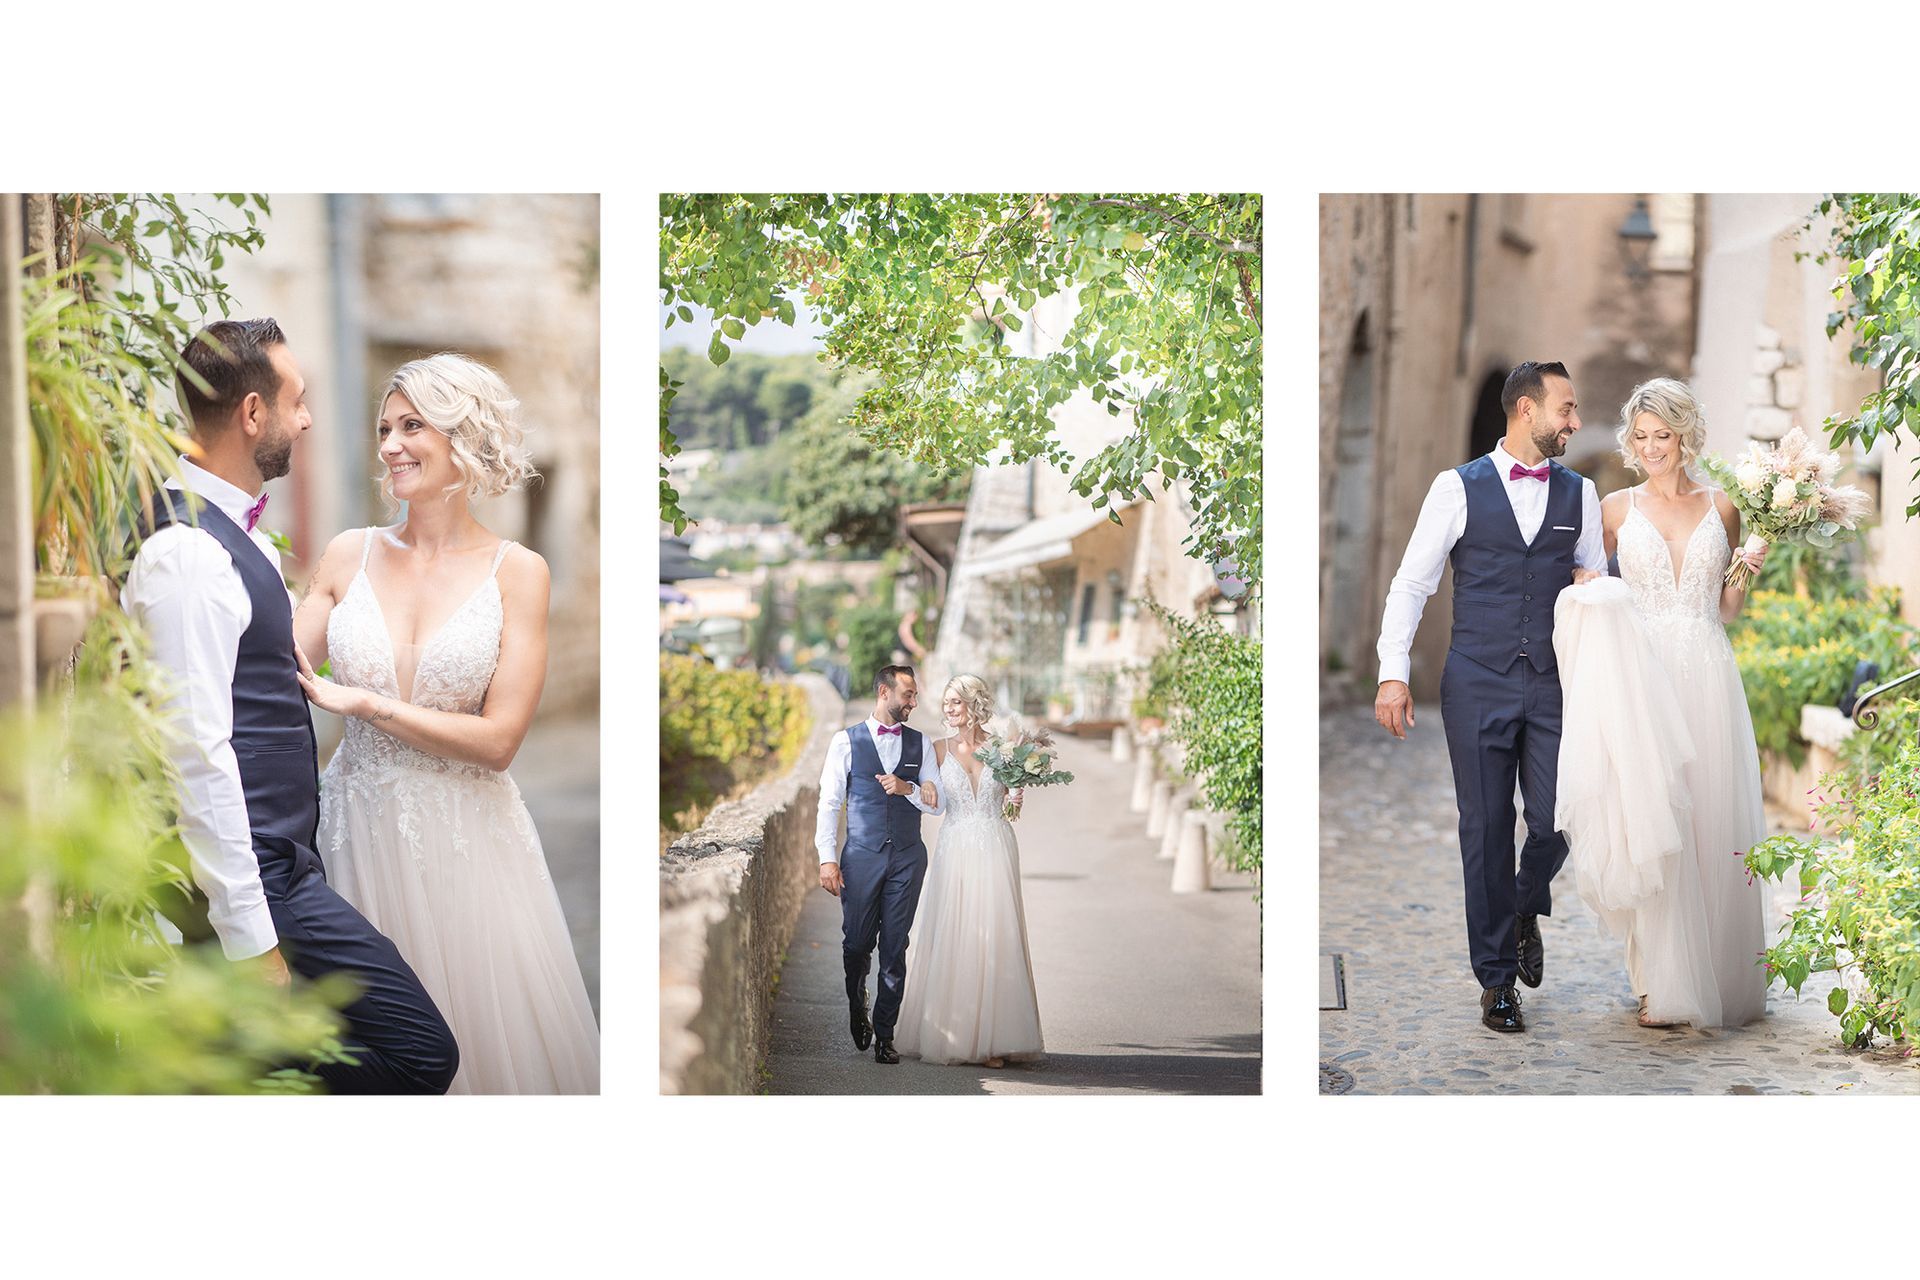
965, 802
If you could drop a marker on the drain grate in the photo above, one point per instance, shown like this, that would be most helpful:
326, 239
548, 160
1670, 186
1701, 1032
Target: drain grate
1333, 982
1334, 1080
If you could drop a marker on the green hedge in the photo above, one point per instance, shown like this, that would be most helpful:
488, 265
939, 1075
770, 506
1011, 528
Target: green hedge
1794, 652
719, 729
1213, 684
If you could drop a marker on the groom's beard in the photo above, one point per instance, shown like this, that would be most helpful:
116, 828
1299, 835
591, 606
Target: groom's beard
274, 455
1550, 443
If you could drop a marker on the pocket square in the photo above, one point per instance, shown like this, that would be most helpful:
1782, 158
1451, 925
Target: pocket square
1563, 528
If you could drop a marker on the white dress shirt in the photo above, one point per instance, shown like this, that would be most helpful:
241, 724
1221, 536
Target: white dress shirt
184, 590
833, 780
1443, 519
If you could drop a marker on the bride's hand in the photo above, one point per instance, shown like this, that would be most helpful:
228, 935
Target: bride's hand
341, 700
1586, 575
1756, 559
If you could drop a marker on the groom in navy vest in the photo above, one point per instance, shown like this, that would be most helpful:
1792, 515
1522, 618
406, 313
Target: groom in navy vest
1517, 527
875, 771
206, 585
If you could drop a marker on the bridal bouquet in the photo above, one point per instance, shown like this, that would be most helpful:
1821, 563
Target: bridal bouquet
1786, 494
1023, 762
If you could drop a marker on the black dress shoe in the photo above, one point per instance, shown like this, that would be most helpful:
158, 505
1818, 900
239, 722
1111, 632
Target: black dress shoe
1533, 952
884, 1054
857, 1022
1500, 1009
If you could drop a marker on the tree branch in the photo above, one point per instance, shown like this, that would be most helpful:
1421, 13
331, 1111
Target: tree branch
1231, 246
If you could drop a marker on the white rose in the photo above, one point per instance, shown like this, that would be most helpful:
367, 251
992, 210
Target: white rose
1751, 476
1784, 493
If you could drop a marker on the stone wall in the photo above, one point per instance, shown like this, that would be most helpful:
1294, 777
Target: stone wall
730, 894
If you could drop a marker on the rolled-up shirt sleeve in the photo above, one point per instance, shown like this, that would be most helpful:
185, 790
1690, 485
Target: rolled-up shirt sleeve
1591, 552
833, 797
939, 805
183, 591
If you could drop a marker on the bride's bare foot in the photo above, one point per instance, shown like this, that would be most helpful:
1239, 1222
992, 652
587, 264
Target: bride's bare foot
1647, 1019
994, 1062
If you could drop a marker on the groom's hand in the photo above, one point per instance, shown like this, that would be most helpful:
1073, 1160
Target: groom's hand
893, 786
273, 967
1393, 708
830, 878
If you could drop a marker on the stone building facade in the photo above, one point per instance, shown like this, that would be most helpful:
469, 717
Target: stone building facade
1426, 302
362, 284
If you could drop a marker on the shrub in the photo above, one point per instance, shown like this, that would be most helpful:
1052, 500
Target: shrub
1213, 692
1794, 652
719, 729
1860, 898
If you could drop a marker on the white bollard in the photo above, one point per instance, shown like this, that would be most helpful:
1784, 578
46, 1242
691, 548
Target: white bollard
1170, 836
1217, 844
1142, 782
1122, 745
1157, 807
1190, 866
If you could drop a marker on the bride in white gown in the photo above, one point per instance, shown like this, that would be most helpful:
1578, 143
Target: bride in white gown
970, 995
1662, 718
437, 634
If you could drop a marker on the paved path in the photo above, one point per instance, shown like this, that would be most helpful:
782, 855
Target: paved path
1141, 991
558, 773
1391, 904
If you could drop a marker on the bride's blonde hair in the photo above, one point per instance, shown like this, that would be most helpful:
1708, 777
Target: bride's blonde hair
974, 695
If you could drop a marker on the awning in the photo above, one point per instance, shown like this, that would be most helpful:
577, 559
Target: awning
1042, 541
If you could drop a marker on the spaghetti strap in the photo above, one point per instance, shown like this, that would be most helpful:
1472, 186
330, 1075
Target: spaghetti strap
366, 548
498, 556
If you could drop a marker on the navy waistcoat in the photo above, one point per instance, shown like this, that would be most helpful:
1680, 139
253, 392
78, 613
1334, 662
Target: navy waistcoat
273, 738
1504, 588
873, 816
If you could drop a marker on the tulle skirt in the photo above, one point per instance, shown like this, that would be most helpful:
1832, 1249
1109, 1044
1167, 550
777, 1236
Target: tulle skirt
970, 993
1659, 797
448, 866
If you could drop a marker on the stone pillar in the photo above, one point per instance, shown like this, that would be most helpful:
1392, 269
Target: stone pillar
1157, 807
1122, 745
1190, 874
1175, 824
16, 493
1142, 781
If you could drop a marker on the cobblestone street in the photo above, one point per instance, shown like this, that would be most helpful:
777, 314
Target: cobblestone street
1391, 906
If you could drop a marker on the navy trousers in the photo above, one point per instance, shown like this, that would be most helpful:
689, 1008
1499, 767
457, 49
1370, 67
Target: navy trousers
393, 1027
877, 903
1503, 725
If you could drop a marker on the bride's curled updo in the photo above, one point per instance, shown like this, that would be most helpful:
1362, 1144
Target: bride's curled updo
974, 695
470, 405
1671, 401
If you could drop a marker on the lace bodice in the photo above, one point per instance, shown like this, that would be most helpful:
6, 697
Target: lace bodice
965, 802
1683, 615
452, 671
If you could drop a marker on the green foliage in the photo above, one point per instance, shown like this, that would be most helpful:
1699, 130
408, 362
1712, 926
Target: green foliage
746, 403
1860, 898
105, 321
1896, 722
1874, 241
1793, 653
1155, 696
719, 729
99, 1001
873, 633
746, 486
842, 487
670, 511
1213, 689
928, 292
1819, 574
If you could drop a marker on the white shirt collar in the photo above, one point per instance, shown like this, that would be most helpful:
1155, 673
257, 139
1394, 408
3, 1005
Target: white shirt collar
232, 500
1505, 462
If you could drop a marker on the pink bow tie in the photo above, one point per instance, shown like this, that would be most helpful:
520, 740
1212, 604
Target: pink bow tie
1539, 473
253, 512
895, 729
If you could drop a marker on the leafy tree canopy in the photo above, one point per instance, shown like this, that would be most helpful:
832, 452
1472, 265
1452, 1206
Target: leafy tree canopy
923, 291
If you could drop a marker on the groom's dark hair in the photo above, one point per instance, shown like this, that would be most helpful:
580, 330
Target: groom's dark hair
884, 678
225, 363
1530, 380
